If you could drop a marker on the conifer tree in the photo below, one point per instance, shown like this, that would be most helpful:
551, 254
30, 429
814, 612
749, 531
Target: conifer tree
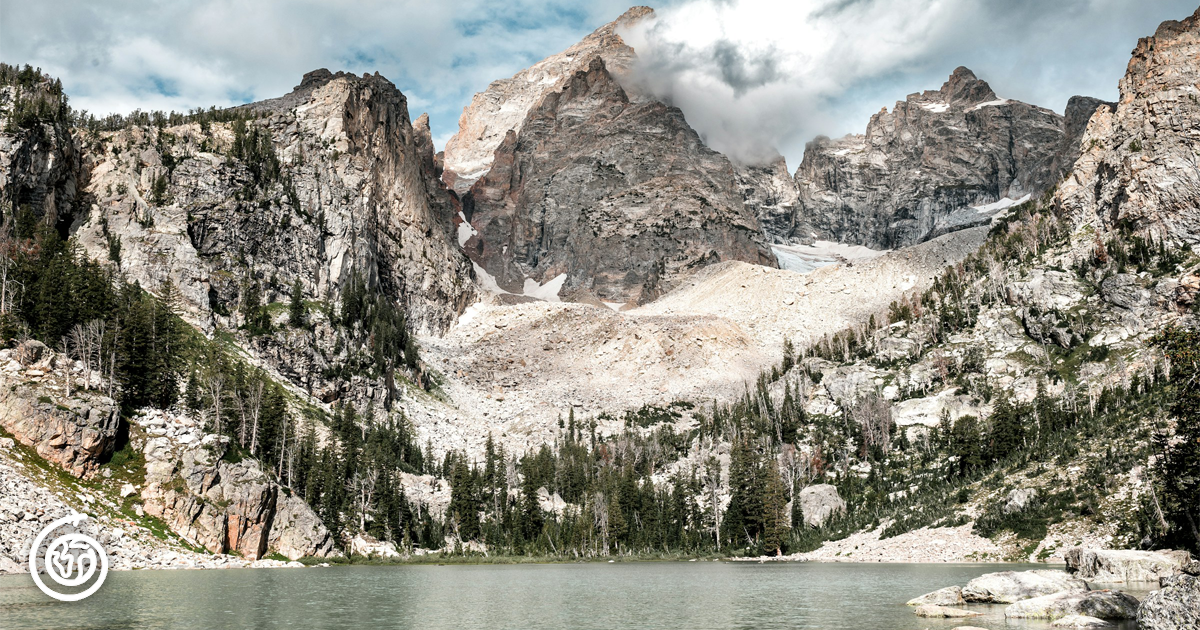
775, 515
1178, 466
296, 306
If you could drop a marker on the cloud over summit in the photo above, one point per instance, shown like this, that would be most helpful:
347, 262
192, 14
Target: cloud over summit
753, 76
759, 76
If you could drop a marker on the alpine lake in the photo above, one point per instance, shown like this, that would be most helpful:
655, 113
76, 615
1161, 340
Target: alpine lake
652, 595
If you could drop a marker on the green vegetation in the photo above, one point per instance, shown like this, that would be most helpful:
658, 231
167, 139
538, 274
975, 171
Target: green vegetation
38, 99
1177, 468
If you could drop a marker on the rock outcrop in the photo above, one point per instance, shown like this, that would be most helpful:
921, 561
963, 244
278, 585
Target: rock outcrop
1138, 165
1007, 587
28, 504
503, 106
1175, 606
922, 168
336, 183
76, 433
949, 596
615, 197
1099, 604
223, 506
819, 503
1113, 566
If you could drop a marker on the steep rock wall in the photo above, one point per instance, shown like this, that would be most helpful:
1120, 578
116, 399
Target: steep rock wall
1139, 162
621, 197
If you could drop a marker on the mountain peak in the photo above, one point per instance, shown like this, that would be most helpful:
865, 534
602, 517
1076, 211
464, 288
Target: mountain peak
632, 16
964, 88
503, 106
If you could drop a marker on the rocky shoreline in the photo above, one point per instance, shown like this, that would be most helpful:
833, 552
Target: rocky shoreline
130, 546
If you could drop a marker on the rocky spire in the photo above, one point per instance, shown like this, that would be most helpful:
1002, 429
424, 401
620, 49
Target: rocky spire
963, 88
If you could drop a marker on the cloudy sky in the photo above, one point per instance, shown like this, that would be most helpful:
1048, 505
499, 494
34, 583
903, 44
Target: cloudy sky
751, 75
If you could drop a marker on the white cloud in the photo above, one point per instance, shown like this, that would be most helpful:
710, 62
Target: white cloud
756, 76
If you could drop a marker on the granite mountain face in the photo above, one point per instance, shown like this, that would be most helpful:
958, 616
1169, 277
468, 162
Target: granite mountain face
622, 198
606, 193
338, 184
503, 106
1138, 163
920, 168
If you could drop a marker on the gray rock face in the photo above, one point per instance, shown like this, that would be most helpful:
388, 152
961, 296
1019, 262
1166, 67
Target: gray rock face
1123, 290
357, 193
39, 167
621, 197
1137, 167
934, 155
1079, 111
1098, 604
819, 503
770, 193
1113, 566
1176, 606
296, 531
1007, 587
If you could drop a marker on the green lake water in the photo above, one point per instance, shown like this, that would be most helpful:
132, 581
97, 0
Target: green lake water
652, 595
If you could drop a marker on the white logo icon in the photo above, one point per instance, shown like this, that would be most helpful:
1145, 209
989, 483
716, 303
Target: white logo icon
71, 560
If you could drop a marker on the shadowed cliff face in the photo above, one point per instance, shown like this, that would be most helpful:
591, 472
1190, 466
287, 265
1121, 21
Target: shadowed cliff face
354, 190
1139, 163
621, 197
935, 153
39, 164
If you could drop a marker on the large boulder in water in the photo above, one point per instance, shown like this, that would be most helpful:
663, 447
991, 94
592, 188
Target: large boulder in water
949, 596
819, 503
1124, 565
1099, 604
1007, 587
1176, 606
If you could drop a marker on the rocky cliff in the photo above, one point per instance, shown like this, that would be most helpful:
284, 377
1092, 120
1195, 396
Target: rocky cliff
770, 194
49, 404
1138, 167
223, 506
77, 432
39, 162
323, 184
935, 154
503, 106
615, 196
